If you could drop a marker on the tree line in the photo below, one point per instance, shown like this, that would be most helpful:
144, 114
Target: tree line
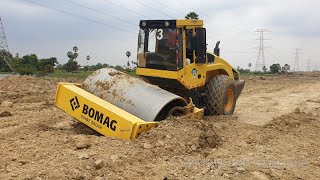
28, 64
32, 65
274, 69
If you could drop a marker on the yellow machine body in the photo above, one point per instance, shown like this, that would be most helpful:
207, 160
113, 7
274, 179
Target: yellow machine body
179, 78
98, 114
206, 70
104, 117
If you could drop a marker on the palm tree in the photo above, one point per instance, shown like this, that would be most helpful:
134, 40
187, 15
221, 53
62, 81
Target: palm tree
192, 15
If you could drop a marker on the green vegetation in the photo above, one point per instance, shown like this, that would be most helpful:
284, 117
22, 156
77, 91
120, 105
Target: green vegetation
132, 73
31, 65
255, 74
5, 72
72, 64
275, 68
192, 15
65, 74
77, 74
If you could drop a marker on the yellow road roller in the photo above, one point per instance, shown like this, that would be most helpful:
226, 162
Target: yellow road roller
177, 76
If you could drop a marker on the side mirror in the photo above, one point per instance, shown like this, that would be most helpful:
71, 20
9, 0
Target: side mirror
201, 46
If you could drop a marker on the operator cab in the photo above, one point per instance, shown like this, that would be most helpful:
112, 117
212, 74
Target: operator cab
161, 44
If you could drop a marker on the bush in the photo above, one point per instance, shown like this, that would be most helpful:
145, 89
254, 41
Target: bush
26, 71
71, 66
29, 65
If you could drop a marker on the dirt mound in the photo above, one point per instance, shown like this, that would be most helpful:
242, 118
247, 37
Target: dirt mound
26, 89
40, 141
292, 120
181, 136
24, 83
209, 138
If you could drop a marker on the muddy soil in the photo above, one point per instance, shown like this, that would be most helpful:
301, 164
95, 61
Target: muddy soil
274, 134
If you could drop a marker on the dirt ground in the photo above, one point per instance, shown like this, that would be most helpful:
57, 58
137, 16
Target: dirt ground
274, 134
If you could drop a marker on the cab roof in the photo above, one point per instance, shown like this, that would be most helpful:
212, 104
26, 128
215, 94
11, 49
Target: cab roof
169, 23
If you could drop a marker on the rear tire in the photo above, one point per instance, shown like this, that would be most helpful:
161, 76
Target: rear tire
220, 98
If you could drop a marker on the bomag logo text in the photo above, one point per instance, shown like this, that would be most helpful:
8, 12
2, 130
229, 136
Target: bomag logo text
99, 117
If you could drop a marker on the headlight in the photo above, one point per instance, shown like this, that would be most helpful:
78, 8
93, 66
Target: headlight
144, 23
166, 23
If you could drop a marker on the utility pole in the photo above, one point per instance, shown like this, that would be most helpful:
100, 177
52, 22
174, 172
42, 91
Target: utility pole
4, 48
261, 61
296, 60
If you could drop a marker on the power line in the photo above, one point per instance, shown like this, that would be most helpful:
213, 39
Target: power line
131, 10
238, 52
78, 16
154, 9
277, 57
100, 12
168, 7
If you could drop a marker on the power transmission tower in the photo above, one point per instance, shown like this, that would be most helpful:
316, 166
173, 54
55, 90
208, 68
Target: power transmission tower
308, 65
261, 61
4, 48
296, 60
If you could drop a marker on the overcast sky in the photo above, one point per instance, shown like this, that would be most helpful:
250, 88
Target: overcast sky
106, 29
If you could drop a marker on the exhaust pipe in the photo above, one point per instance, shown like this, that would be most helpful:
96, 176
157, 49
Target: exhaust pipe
217, 49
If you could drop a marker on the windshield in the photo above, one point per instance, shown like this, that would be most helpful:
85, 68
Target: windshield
159, 48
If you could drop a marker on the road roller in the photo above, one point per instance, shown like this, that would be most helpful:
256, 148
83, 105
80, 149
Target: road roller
176, 76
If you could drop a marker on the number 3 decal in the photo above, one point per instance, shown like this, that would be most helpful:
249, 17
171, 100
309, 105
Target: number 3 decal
160, 34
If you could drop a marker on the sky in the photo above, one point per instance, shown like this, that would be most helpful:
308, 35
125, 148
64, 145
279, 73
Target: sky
107, 29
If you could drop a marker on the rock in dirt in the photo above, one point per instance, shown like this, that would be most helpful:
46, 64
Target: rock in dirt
226, 175
114, 157
83, 143
240, 169
99, 178
83, 156
209, 139
263, 78
88, 167
205, 171
259, 175
160, 143
297, 111
22, 162
147, 146
7, 104
98, 164
5, 114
